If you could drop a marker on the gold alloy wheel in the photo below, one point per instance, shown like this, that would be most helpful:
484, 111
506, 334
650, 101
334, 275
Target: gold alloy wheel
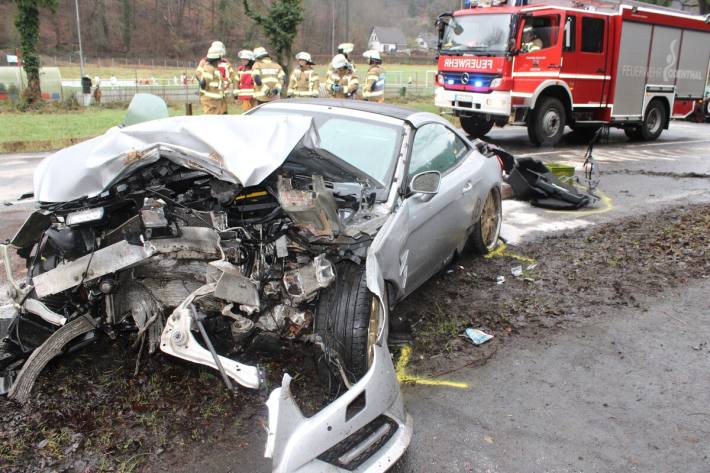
372, 329
490, 221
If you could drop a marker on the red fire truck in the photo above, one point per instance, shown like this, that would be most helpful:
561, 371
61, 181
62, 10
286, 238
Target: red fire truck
547, 67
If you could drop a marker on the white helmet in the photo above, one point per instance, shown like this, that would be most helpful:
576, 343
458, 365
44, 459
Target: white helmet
346, 48
372, 54
215, 52
339, 61
304, 56
246, 54
260, 52
219, 45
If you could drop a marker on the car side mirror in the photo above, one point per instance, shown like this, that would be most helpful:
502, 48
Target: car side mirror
426, 182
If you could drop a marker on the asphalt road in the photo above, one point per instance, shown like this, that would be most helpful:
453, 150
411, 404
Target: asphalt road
622, 393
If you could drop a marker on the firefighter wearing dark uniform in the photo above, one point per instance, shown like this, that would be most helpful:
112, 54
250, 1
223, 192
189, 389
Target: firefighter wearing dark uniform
268, 77
304, 81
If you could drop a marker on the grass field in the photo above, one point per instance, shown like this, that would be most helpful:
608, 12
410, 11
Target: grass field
51, 130
55, 128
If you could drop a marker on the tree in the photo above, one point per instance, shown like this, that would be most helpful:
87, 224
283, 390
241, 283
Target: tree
127, 23
280, 26
27, 24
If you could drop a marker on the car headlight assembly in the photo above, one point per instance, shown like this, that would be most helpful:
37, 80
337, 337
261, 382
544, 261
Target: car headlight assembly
84, 216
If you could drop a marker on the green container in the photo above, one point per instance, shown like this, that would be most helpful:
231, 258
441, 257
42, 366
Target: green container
563, 172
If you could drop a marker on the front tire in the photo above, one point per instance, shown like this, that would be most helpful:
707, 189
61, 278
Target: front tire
486, 230
476, 126
343, 322
547, 123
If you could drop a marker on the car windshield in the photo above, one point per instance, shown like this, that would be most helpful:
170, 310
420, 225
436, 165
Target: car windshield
486, 33
369, 145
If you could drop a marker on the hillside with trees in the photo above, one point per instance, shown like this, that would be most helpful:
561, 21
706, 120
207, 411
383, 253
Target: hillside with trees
182, 28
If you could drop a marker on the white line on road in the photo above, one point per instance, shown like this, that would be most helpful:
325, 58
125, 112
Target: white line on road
661, 143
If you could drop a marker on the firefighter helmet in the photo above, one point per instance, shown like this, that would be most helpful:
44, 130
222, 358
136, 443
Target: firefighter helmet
346, 48
339, 62
304, 56
246, 54
260, 52
372, 55
219, 45
215, 52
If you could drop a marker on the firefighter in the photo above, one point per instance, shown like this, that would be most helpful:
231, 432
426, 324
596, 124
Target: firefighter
530, 41
211, 82
344, 49
374, 88
304, 81
343, 81
268, 76
227, 72
244, 83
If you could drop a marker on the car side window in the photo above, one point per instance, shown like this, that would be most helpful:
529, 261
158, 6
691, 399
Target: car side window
435, 148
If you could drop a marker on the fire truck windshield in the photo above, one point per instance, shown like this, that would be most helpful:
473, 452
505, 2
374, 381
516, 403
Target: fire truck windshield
479, 33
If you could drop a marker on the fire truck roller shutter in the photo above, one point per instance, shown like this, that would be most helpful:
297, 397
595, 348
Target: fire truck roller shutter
631, 69
692, 64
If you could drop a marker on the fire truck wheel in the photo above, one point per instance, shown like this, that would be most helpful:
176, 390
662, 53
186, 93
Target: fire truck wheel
476, 126
652, 125
547, 122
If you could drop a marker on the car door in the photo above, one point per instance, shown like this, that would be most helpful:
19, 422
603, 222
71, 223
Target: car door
438, 223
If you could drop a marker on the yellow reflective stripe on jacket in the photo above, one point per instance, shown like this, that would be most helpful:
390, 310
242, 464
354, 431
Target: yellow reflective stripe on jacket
213, 95
304, 83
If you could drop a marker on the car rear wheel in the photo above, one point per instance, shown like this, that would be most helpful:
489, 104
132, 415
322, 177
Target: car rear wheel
547, 122
346, 321
476, 126
486, 230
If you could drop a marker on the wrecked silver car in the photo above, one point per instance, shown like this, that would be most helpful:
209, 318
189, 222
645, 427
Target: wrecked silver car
304, 219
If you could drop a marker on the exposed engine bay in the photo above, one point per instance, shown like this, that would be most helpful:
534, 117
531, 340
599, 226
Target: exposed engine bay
186, 250
243, 262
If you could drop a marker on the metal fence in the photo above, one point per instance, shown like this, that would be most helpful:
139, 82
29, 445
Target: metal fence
174, 91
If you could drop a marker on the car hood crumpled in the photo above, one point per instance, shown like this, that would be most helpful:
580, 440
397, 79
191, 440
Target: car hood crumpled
240, 149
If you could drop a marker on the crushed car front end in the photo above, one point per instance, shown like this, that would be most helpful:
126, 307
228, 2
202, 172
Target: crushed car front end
202, 237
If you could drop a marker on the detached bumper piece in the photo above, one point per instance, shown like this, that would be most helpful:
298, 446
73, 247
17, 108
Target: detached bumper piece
364, 430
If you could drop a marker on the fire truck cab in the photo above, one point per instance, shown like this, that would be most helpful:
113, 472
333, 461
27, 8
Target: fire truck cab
546, 67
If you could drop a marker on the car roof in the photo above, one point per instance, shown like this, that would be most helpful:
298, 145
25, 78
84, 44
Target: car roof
412, 116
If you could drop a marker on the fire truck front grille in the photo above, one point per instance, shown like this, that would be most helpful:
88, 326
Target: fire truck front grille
467, 80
